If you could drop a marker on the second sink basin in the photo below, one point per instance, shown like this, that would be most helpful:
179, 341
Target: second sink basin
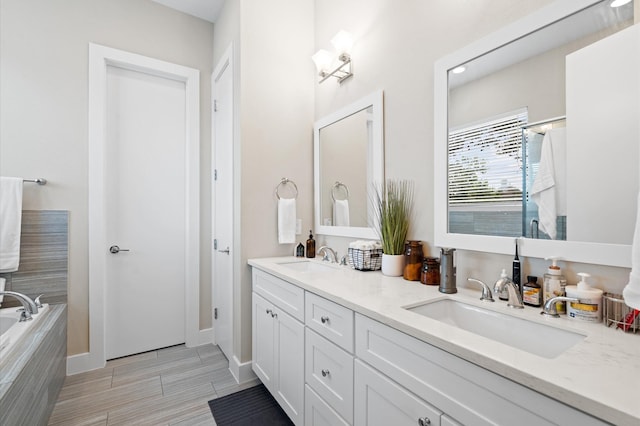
530, 336
308, 266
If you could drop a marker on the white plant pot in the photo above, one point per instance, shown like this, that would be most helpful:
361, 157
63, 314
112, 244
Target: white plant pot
392, 265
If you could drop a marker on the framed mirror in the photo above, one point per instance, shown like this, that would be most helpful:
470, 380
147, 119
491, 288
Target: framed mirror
348, 160
565, 76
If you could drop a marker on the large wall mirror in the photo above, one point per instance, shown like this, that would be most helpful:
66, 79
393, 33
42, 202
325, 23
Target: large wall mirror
537, 135
348, 159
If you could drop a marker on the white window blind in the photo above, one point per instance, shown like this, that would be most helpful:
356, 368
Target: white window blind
485, 161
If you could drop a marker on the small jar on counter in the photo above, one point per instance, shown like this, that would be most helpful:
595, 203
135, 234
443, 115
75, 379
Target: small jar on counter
532, 292
430, 274
413, 257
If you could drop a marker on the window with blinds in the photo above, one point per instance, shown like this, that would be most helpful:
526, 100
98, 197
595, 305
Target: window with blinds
485, 161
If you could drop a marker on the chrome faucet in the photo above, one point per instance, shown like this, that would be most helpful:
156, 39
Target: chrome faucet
549, 308
30, 307
328, 254
515, 299
486, 291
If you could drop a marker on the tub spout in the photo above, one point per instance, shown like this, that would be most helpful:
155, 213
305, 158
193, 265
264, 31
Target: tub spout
30, 307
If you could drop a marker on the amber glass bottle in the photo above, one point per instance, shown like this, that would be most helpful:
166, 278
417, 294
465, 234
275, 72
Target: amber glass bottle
413, 257
311, 246
430, 271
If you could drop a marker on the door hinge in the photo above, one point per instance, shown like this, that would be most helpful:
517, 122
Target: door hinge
215, 105
215, 313
215, 244
215, 174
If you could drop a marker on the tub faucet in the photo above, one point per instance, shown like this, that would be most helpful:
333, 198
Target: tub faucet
515, 299
328, 254
30, 307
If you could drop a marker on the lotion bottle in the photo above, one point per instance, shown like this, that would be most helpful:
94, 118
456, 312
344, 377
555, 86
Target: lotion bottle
554, 285
589, 308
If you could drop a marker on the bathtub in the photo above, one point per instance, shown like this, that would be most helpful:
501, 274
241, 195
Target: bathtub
32, 364
11, 329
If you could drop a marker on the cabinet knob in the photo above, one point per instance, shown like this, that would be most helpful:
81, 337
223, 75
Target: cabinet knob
324, 319
424, 421
269, 311
325, 373
274, 315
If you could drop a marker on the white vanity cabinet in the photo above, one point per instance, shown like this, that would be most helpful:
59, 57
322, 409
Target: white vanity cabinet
278, 341
465, 392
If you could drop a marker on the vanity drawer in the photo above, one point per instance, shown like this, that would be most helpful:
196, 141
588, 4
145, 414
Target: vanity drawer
330, 320
286, 296
317, 412
329, 372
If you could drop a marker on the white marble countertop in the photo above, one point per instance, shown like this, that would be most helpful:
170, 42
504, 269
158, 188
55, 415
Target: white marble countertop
599, 375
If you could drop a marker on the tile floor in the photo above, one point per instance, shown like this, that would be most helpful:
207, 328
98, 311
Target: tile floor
170, 386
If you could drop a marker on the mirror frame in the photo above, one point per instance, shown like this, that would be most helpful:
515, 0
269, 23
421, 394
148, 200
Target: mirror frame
585, 252
374, 100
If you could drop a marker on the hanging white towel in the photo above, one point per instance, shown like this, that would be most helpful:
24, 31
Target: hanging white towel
10, 223
2, 282
341, 212
549, 186
631, 292
286, 220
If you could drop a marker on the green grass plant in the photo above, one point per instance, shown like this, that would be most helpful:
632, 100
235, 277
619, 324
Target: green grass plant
393, 206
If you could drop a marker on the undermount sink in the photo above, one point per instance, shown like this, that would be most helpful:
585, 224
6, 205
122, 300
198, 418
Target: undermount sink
308, 266
529, 336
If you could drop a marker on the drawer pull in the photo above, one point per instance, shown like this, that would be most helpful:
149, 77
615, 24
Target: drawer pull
325, 373
274, 315
424, 421
324, 319
269, 311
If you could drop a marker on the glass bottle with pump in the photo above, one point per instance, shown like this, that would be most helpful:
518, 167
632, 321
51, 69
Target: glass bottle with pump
311, 246
554, 285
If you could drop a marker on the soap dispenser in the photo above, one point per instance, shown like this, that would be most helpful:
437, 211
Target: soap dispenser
554, 285
589, 307
504, 294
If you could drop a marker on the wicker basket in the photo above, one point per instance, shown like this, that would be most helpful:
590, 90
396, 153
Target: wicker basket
365, 260
616, 313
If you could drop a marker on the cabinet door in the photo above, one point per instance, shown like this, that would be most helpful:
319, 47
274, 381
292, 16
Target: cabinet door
380, 401
318, 413
263, 337
289, 368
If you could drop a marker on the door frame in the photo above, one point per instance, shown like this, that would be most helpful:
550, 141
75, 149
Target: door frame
225, 64
99, 58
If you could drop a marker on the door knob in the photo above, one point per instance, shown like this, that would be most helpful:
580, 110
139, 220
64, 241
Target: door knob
224, 251
116, 249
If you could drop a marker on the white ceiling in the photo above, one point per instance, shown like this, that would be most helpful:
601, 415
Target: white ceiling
204, 9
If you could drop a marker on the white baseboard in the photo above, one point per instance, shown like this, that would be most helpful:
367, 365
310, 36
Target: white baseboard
81, 363
242, 372
205, 336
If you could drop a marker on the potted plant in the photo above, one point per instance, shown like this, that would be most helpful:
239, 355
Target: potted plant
393, 205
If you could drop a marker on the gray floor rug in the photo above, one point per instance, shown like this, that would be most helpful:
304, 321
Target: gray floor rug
254, 406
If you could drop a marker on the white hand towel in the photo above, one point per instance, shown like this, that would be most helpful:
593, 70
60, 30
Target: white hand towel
548, 189
10, 223
2, 282
631, 292
341, 212
286, 220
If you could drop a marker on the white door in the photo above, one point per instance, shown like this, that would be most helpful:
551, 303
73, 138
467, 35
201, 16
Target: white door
222, 262
145, 213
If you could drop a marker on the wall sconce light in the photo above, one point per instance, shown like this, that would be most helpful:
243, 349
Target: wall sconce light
326, 64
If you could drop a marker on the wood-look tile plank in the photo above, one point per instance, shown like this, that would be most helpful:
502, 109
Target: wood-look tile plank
86, 387
203, 419
228, 390
175, 382
132, 359
163, 409
131, 373
105, 400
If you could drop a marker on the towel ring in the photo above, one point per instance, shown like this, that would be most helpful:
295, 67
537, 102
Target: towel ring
283, 182
337, 186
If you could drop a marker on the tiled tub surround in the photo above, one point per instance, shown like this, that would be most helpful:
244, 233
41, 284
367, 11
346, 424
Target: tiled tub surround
32, 370
598, 376
43, 257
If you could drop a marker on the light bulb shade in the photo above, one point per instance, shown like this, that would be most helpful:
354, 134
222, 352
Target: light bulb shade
342, 42
323, 60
